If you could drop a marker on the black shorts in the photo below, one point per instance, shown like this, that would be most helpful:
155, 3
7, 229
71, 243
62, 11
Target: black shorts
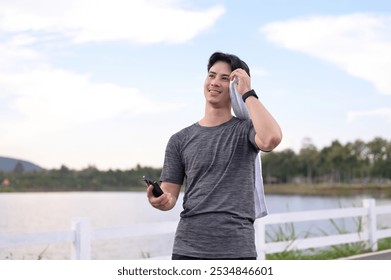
181, 257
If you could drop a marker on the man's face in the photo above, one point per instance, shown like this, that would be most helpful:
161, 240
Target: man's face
216, 86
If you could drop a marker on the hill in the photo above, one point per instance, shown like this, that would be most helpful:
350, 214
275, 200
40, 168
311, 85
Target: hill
9, 164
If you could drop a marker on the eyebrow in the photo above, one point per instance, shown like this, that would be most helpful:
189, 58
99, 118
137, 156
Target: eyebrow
224, 75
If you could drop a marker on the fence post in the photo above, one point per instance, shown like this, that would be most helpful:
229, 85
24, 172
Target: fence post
81, 248
260, 239
370, 224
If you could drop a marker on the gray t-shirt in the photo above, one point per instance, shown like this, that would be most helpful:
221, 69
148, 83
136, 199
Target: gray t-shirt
218, 205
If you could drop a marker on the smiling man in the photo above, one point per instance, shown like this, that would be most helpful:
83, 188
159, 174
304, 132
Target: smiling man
215, 156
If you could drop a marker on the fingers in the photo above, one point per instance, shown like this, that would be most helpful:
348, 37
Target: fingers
162, 202
243, 80
239, 73
149, 191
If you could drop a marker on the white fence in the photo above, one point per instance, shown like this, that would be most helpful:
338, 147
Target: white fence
81, 235
370, 233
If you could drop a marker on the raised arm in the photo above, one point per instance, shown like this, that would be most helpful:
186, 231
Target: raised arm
268, 132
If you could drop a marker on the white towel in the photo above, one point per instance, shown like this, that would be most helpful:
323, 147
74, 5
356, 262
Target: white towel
241, 112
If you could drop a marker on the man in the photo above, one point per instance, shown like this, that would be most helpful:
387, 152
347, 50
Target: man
216, 157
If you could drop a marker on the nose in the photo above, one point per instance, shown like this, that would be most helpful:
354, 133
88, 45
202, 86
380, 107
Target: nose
214, 82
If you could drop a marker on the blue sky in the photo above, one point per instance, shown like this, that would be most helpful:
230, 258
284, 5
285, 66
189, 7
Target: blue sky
106, 83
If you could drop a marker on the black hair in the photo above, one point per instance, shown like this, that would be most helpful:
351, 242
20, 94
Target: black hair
234, 61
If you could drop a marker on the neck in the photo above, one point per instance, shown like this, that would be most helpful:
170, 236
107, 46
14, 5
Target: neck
215, 116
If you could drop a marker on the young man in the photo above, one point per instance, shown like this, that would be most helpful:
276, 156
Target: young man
216, 157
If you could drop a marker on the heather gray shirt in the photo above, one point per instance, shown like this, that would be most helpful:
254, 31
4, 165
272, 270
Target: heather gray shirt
218, 206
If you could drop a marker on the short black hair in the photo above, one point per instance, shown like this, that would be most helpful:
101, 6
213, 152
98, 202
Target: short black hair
234, 61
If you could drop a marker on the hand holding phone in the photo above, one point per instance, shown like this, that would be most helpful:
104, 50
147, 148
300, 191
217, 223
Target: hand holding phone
157, 191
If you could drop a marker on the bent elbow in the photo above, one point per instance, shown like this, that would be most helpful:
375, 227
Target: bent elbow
270, 143
276, 141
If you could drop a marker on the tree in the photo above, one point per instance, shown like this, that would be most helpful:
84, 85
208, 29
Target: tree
308, 158
358, 159
282, 165
378, 155
335, 162
19, 168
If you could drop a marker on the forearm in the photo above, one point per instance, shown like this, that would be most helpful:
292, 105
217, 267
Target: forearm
268, 132
169, 205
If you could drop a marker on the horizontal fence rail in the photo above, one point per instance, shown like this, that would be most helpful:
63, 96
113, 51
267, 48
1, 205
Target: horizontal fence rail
82, 234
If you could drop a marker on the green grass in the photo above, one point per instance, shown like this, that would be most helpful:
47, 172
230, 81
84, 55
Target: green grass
331, 253
335, 252
384, 244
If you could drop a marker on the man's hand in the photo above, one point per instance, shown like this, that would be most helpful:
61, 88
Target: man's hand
167, 200
268, 132
243, 80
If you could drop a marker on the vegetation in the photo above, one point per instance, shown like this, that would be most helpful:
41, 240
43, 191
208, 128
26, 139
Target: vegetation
375, 190
354, 162
332, 253
89, 179
337, 169
288, 233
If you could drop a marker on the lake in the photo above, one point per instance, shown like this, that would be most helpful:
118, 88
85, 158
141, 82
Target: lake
40, 212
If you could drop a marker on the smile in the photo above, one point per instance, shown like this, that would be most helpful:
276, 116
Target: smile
213, 91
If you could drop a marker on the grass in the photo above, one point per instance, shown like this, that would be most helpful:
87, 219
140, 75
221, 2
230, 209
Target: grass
335, 252
288, 232
39, 257
384, 244
331, 253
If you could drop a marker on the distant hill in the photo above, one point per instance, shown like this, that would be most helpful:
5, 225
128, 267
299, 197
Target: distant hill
8, 165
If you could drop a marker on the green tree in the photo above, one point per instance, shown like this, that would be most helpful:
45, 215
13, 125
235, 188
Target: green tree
280, 167
358, 159
308, 160
379, 157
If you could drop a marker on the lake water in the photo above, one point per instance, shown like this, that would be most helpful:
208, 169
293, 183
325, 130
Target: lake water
41, 212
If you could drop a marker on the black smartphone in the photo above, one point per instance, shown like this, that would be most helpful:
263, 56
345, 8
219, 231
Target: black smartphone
157, 191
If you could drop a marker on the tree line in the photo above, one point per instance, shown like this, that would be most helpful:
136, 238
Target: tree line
354, 162
88, 179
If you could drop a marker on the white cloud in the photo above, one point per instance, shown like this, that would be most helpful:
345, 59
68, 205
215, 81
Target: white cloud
55, 99
53, 114
49, 113
382, 112
360, 44
13, 55
39, 90
142, 21
26, 74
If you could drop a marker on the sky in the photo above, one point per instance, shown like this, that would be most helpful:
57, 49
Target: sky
105, 83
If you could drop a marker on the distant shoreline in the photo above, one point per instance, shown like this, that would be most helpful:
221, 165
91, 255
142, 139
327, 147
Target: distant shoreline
375, 190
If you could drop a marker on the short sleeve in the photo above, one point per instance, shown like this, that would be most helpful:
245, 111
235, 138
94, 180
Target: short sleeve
173, 168
251, 135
